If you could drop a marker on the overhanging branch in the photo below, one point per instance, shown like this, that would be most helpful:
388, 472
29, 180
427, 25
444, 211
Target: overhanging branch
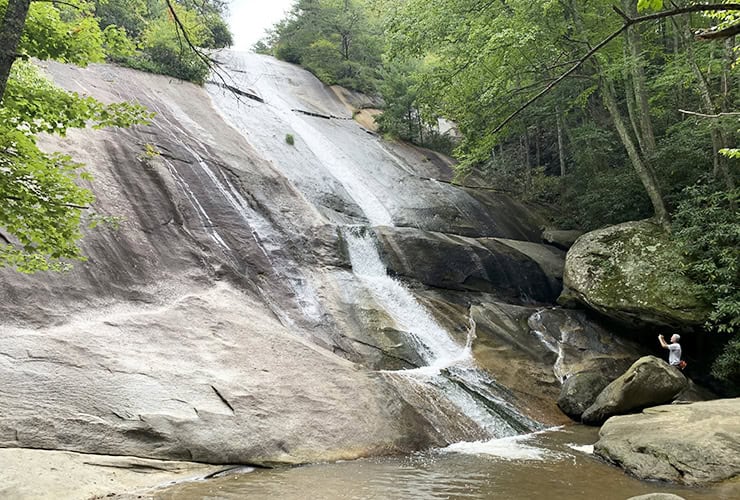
628, 21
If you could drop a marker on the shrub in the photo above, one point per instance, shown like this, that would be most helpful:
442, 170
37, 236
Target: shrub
707, 226
290, 139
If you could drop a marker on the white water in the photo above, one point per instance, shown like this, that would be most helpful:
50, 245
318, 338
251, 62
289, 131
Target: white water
323, 160
507, 448
450, 367
554, 345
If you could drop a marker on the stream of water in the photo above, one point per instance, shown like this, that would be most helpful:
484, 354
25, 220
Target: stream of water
550, 465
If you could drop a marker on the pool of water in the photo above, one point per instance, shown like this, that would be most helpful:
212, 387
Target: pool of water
549, 465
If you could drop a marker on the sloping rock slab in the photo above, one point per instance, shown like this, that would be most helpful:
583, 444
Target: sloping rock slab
461, 263
650, 381
210, 376
692, 444
630, 272
52, 475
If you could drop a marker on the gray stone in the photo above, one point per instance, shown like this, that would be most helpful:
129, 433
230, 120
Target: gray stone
693, 444
649, 382
461, 263
209, 377
579, 344
630, 272
220, 323
49, 475
561, 238
580, 391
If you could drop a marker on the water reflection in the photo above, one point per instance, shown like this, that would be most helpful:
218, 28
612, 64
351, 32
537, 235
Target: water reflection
460, 472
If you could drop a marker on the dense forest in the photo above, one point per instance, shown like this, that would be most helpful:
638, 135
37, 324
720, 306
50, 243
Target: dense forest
644, 123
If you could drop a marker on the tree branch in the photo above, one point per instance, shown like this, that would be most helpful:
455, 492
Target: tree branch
55, 203
703, 115
628, 21
727, 32
77, 7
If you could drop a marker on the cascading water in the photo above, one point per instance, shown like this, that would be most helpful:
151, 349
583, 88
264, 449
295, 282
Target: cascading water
450, 368
466, 403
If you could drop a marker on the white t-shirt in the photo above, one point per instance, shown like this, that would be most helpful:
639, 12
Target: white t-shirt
674, 354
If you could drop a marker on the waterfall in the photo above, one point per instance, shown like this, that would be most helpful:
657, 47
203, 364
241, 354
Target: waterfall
462, 401
450, 369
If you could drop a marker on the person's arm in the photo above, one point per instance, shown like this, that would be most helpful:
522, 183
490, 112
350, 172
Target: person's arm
662, 342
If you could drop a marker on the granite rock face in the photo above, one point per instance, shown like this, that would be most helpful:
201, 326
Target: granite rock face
693, 444
222, 323
518, 271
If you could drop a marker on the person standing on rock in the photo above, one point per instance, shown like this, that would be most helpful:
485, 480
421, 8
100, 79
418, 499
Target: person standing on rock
674, 349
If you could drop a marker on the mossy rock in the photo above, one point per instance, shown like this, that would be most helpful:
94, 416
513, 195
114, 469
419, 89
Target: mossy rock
632, 272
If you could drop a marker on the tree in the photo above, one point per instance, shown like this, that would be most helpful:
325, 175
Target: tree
338, 40
42, 205
11, 31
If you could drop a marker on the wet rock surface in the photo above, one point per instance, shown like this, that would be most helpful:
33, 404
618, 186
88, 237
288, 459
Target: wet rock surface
221, 322
649, 382
693, 444
208, 377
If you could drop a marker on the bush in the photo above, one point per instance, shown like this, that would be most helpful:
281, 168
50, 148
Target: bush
290, 139
707, 226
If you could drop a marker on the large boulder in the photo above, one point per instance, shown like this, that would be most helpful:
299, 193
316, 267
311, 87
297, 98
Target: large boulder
587, 356
649, 382
580, 391
693, 444
631, 272
460, 263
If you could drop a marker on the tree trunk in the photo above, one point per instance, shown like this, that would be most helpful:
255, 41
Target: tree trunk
637, 68
527, 163
10, 37
720, 166
644, 170
561, 146
629, 97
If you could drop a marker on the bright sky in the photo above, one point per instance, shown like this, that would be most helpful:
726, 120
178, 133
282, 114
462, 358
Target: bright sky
250, 18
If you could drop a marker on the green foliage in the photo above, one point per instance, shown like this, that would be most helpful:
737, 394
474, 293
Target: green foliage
707, 226
118, 47
649, 5
130, 15
338, 40
65, 34
42, 204
289, 139
163, 49
727, 365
